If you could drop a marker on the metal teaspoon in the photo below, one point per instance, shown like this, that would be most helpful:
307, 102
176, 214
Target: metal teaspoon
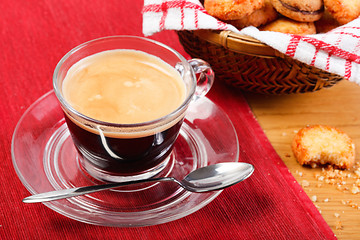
205, 179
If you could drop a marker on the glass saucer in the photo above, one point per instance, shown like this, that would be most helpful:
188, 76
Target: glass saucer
45, 160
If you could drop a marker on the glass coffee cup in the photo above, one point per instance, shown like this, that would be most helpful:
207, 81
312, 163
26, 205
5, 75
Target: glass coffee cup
120, 151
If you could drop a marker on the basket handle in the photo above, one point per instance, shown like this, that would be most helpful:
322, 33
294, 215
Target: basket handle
239, 43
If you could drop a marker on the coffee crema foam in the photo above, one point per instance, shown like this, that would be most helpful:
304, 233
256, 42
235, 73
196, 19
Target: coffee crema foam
123, 87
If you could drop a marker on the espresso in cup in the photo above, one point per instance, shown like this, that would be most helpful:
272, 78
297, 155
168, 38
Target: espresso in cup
124, 100
124, 87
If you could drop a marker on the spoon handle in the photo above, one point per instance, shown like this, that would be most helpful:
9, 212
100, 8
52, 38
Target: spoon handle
73, 192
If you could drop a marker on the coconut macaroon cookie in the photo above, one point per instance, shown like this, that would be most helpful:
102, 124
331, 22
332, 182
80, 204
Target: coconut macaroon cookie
232, 9
319, 145
259, 17
343, 11
285, 25
300, 10
326, 23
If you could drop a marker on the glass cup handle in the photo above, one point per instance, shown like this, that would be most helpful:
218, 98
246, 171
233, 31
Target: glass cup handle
205, 76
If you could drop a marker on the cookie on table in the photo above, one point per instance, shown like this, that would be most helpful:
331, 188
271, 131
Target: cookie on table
300, 10
343, 11
259, 17
232, 9
285, 25
319, 145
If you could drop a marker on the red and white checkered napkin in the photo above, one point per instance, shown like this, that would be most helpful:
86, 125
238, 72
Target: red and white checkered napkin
337, 51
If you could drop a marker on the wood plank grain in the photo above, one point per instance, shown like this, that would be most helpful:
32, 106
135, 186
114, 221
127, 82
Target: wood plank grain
338, 106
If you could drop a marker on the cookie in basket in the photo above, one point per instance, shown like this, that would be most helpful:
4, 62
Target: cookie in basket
286, 25
326, 23
232, 9
343, 11
300, 10
259, 17
319, 145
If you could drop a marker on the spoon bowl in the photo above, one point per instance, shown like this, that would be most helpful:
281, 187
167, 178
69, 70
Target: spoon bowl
205, 179
217, 176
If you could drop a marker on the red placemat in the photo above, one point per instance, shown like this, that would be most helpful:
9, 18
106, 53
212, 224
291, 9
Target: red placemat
34, 36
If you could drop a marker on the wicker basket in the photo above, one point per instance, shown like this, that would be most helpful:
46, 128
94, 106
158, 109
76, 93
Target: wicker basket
246, 63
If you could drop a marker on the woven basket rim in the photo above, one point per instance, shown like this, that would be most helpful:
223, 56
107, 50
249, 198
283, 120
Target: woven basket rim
238, 43
230, 53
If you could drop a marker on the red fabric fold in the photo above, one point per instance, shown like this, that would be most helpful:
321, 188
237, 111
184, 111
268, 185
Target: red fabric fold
34, 36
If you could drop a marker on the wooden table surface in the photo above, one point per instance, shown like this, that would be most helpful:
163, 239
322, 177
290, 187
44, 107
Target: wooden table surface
338, 106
